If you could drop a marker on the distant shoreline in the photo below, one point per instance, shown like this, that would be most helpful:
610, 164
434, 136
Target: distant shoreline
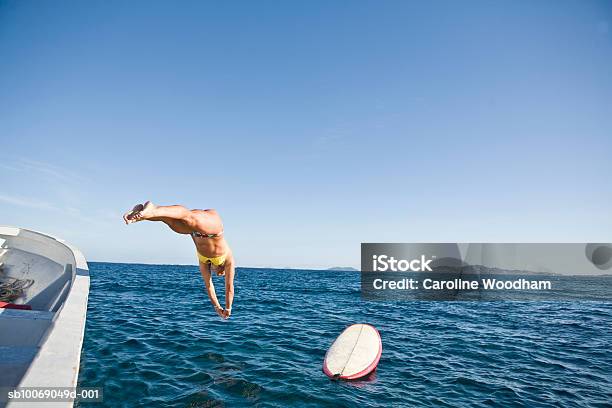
349, 269
332, 269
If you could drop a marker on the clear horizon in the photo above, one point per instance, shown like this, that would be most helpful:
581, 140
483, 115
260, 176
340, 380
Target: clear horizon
311, 127
194, 264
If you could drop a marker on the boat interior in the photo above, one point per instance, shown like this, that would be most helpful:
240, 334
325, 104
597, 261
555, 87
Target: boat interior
36, 274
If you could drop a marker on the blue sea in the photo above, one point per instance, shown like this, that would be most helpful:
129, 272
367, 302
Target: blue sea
153, 339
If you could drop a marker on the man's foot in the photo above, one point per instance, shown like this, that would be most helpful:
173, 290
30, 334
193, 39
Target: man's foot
128, 217
139, 212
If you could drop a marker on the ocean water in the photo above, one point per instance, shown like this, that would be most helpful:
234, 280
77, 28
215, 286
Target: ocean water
153, 339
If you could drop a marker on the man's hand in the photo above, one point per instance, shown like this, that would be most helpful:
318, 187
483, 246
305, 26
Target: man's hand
227, 313
220, 311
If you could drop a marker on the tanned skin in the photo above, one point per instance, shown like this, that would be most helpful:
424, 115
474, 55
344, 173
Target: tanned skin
185, 221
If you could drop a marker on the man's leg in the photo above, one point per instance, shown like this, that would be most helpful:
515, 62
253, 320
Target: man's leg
175, 225
177, 217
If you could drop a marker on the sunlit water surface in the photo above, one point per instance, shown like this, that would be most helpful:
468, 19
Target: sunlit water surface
153, 339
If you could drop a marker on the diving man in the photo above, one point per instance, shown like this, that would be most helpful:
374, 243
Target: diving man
206, 230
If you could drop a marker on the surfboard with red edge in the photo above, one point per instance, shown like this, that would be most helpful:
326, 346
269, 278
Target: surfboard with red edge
354, 354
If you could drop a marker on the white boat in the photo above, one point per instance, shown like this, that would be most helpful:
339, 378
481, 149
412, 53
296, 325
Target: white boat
40, 347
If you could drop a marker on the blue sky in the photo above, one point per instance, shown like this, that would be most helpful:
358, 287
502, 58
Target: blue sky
311, 126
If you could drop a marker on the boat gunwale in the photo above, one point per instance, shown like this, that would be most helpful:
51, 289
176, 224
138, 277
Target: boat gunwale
57, 361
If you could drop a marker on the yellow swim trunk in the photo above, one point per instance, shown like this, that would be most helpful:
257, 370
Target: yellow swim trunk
217, 261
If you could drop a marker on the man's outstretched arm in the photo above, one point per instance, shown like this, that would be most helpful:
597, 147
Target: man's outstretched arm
229, 286
210, 290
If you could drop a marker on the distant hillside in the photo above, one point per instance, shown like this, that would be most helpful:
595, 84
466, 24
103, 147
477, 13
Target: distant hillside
343, 268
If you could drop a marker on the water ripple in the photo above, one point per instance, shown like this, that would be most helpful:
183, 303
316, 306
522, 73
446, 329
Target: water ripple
152, 339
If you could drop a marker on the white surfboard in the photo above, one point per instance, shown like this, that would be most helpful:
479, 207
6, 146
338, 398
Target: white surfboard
354, 354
